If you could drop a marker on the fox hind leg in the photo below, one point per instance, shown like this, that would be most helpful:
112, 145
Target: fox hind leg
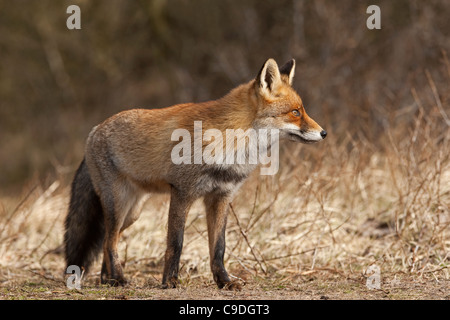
121, 208
112, 272
135, 210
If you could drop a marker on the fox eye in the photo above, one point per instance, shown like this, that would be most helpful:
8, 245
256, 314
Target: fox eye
296, 113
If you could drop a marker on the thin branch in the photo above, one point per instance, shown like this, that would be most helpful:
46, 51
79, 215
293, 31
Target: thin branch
248, 242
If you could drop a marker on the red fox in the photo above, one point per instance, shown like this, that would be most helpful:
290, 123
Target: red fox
130, 155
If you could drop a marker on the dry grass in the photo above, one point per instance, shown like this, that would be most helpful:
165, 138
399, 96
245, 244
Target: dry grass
334, 210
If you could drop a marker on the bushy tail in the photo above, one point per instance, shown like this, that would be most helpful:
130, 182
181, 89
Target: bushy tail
85, 229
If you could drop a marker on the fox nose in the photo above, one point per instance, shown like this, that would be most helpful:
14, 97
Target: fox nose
323, 133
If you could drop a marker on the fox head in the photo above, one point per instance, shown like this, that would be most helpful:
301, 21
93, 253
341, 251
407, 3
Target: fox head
280, 107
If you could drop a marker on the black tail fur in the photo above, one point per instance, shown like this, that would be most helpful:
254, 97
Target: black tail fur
84, 225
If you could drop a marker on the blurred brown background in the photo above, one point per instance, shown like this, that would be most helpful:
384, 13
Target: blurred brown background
56, 84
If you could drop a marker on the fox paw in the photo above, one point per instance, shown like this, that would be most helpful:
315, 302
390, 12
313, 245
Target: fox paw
170, 283
115, 282
230, 285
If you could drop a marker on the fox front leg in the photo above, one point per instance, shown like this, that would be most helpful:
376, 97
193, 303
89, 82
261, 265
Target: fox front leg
179, 207
216, 215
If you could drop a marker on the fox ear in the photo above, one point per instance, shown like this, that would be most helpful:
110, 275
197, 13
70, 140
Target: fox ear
269, 76
287, 71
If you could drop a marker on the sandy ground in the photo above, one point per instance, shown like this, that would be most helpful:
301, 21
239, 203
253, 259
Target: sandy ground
144, 285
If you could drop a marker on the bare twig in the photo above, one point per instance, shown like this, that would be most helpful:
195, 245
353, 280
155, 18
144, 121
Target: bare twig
436, 98
247, 241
